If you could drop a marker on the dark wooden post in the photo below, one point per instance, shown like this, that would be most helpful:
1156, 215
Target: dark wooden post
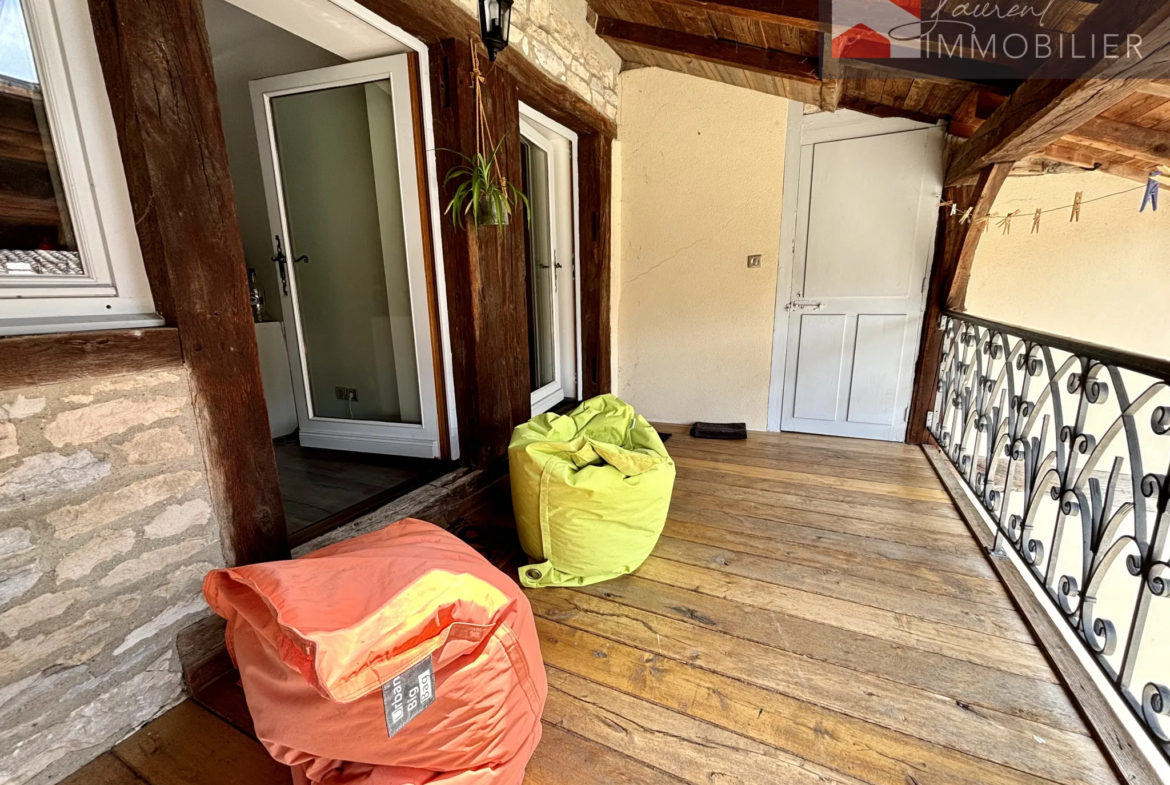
954, 252
595, 151
157, 68
485, 269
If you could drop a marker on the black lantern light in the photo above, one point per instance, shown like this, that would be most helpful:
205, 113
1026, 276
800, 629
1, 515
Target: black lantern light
495, 22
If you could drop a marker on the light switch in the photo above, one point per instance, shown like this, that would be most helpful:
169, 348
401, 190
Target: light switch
754, 260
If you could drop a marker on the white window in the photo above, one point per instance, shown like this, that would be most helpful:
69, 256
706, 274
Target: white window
69, 254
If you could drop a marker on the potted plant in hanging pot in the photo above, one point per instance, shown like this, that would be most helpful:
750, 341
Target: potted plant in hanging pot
483, 195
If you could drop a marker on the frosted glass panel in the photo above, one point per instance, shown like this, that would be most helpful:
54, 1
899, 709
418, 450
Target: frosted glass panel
336, 151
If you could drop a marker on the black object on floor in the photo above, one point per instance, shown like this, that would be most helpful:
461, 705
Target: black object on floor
665, 437
719, 430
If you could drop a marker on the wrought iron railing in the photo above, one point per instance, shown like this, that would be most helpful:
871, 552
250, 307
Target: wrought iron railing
1067, 446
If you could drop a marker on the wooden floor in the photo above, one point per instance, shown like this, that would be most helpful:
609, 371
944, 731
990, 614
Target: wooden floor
815, 612
317, 485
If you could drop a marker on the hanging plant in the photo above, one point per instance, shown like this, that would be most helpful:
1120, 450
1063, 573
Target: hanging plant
484, 194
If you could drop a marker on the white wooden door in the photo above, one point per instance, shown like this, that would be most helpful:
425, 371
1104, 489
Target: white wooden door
866, 216
338, 155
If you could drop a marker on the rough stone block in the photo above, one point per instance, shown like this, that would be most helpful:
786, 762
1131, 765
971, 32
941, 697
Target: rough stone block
102, 548
109, 507
101, 420
9, 446
166, 619
152, 561
14, 542
14, 583
156, 446
46, 606
49, 474
178, 518
22, 407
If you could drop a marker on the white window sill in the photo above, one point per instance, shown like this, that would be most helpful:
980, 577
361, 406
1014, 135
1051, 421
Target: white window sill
78, 324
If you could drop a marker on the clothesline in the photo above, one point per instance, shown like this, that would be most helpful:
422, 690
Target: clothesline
1077, 203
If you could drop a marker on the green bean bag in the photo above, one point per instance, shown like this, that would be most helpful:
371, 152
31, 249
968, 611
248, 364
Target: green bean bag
590, 491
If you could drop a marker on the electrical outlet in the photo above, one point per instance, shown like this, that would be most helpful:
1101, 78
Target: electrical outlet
755, 260
345, 393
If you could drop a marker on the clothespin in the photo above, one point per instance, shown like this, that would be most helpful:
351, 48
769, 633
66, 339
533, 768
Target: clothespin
1006, 222
949, 204
1036, 222
966, 216
1076, 208
1150, 196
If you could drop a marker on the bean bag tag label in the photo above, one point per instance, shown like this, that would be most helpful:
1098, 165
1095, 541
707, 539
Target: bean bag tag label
408, 694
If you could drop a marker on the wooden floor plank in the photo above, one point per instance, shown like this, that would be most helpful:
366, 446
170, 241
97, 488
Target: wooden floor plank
822, 465
106, 769
190, 746
853, 747
965, 682
822, 491
935, 539
563, 757
880, 488
1018, 744
977, 617
813, 554
693, 508
697, 752
1011, 656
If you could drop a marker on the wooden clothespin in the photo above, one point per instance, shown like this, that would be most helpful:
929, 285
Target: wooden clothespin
966, 216
1006, 221
1076, 208
1036, 222
949, 204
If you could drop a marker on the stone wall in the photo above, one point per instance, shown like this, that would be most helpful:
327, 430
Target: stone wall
556, 35
106, 532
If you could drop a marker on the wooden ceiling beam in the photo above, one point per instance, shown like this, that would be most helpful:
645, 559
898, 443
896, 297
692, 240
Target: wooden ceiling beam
1091, 159
750, 58
1131, 140
802, 14
1065, 93
986, 189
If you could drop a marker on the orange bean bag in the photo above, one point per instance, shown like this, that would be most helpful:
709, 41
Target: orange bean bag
333, 653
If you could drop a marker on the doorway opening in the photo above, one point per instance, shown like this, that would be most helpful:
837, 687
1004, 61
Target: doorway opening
324, 131
551, 242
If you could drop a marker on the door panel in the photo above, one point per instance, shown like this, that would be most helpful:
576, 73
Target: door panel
338, 153
818, 372
877, 354
866, 216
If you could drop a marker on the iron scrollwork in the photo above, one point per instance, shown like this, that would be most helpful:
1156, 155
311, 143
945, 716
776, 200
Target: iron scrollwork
1067, 447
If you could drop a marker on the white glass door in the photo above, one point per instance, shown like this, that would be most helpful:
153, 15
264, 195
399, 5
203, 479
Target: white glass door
541, 253
337, 148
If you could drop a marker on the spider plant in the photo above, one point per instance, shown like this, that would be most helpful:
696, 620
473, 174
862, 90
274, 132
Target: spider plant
482, 195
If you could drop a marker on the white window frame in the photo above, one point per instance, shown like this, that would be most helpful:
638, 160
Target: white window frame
544, 131
114, 292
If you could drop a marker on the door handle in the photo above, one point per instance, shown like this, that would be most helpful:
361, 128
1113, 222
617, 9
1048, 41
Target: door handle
282, 266
804, 305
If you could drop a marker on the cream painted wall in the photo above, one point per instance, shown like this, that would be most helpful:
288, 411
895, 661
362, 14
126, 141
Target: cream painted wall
701, 165
1101, 280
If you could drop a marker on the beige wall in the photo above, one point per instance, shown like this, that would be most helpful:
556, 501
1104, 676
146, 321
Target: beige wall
702, 164
106, 532
1101, 280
